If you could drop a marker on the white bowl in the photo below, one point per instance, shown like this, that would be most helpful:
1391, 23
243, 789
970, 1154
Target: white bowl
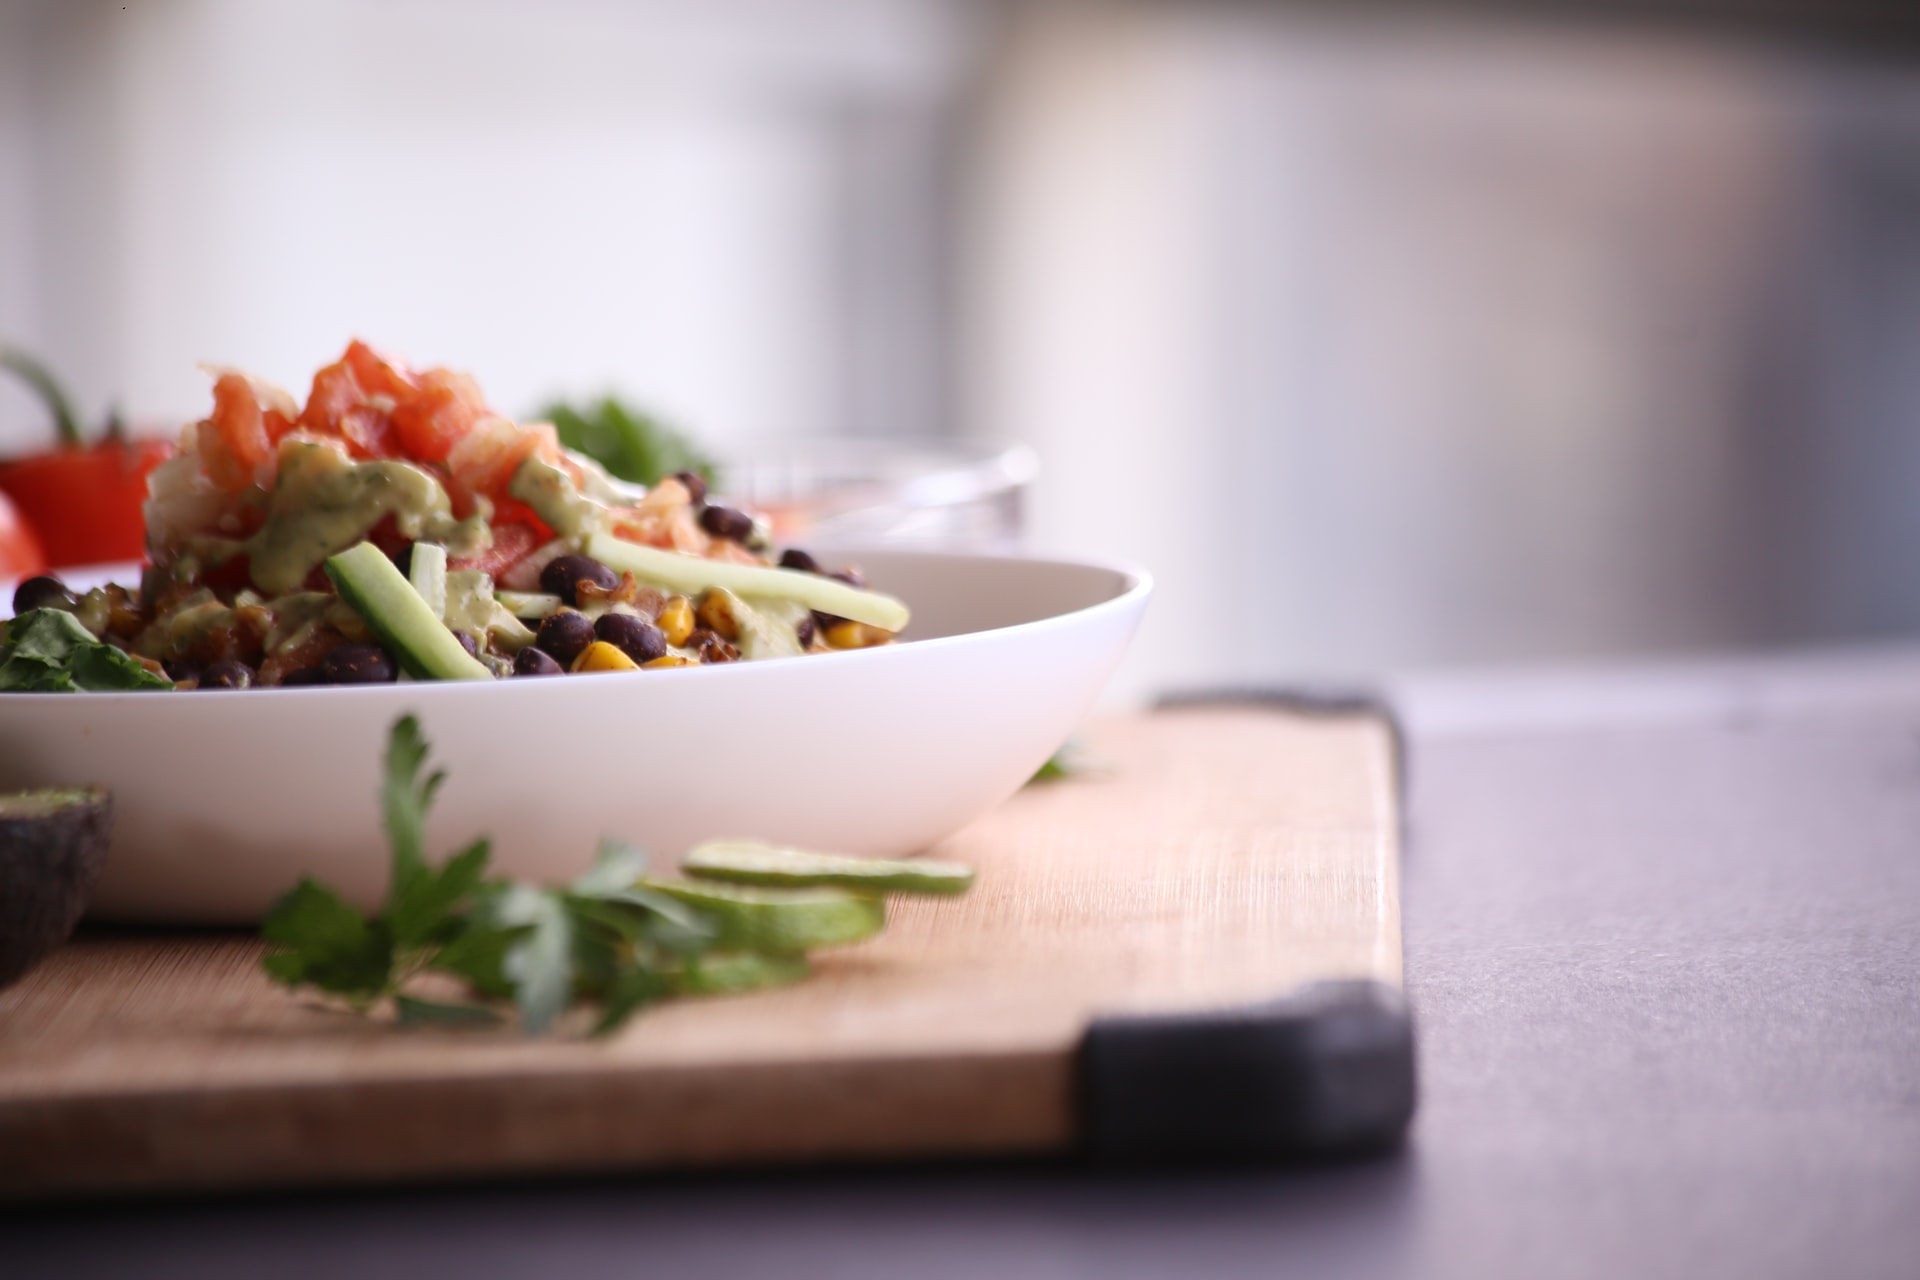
223, 800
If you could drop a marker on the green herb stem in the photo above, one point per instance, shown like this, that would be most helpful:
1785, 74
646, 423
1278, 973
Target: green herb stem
37, 376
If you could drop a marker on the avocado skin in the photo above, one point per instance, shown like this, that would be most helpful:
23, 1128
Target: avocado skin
48, 862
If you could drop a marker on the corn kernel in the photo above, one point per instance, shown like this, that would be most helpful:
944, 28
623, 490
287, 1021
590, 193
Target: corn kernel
718, 613
676, 619
601, 656
669, 660
847, 634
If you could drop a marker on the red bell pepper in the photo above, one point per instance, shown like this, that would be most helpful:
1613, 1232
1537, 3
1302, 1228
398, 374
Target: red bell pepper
84, 501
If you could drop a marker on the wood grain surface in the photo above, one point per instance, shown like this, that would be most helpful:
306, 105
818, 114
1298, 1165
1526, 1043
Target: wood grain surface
1214, 858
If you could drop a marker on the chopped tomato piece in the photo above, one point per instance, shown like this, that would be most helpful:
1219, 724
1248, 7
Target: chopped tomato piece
378, 374
487, 457
238, 441
512, 543
514, 511
368, 432
460, 384
387, 536
431, 422
335, 390
229, 575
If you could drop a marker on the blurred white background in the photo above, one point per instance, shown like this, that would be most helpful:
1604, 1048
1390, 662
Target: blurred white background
693, 203
1405, 342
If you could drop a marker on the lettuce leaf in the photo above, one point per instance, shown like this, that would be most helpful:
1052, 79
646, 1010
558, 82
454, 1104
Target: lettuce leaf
49, 651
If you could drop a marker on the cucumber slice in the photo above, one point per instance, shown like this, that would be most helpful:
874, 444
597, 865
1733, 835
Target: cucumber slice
694, 574
428, 575
780, 921
529, 604
753, 862
394, 611
734, 971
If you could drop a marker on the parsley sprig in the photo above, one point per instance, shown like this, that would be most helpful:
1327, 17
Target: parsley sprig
613, 939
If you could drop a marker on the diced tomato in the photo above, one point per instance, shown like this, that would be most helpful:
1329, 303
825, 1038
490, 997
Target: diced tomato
487, 457
512, 543
431, 421
387, 536
514, 511
230, 574
459, 498
460, 384
238, 441
335, 390
378, 374
368, 432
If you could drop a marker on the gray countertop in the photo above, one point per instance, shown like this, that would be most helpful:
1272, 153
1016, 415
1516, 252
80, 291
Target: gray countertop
1663, 948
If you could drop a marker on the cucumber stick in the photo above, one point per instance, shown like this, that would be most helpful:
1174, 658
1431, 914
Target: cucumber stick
691, 575
753, 862
428, 575
394, 611
529, 604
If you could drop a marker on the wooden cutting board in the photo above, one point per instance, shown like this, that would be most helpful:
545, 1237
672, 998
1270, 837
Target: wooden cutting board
1192, 952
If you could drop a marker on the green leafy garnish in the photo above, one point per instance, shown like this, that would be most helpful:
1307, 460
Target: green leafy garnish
613, 938
1064, 763
630, 444
50, 651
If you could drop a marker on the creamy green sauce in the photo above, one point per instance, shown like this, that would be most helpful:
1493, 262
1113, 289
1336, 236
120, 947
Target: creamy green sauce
324, 502
769, 628
469, 601
554, 498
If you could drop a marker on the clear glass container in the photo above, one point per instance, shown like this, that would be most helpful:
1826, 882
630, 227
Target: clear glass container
848, 490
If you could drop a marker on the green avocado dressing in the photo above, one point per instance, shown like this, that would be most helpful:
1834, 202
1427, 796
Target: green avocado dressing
556, 499
324, 502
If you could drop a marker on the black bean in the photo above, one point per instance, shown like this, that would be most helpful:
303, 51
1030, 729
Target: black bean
564, 635
696, 485
826, 621
43, 592
803, 631
563, 574
535, 662
795, 558
227, 674
468, 643
725, 522
638, 638
358, 664
304, 675
851, 576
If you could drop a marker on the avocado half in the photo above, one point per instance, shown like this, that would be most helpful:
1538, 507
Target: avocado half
52, 845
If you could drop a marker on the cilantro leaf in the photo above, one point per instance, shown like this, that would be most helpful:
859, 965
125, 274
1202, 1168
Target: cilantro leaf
329, 944
478, 955
404, 800
628, 443
418, 911
618, 868
629, 993
540, 965
50, 651
415, 1012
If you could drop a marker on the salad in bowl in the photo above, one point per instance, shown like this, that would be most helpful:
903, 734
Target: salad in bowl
396, 526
